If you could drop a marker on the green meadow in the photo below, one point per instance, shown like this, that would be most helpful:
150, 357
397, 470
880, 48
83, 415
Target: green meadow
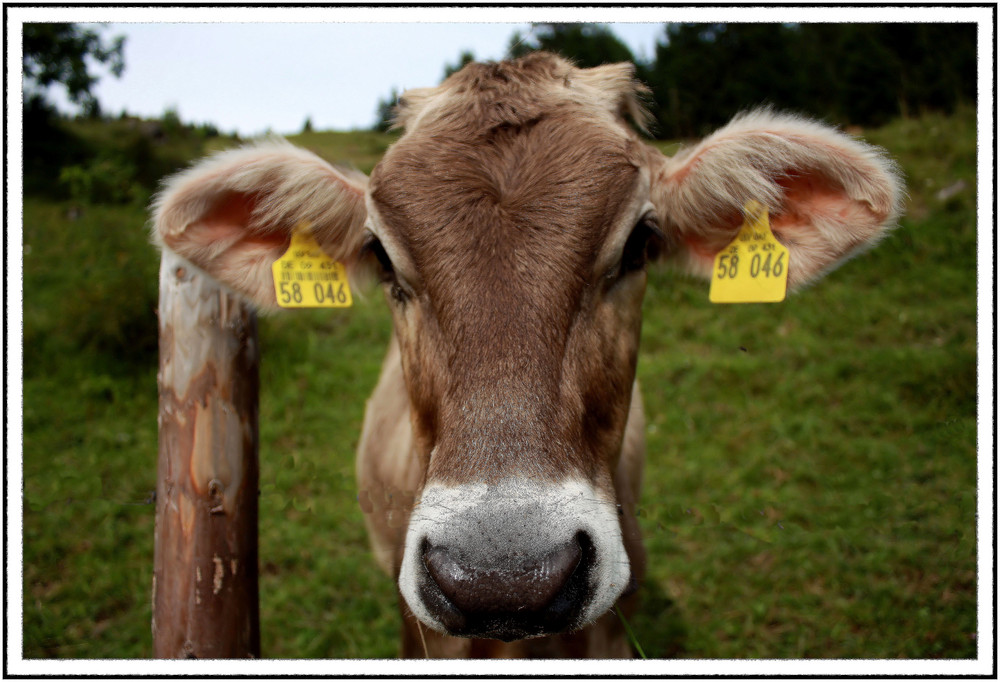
810, 488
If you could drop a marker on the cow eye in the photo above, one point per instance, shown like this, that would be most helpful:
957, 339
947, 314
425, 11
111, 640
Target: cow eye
372, 248
643, 245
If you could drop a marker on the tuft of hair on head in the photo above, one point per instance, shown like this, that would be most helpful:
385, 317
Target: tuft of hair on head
499, 89
409, 104
619, 89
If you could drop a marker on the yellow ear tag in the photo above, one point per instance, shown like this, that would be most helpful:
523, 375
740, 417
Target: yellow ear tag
305, 277
754, 267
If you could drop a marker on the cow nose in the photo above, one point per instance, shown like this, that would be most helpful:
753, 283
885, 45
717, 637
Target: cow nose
508, 597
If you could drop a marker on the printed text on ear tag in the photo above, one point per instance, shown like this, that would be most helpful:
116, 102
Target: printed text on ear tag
754, 267
305, 277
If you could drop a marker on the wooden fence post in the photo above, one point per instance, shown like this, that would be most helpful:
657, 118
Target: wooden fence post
205, 595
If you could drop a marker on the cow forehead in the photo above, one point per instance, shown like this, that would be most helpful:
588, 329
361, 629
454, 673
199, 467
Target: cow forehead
505, 187
520, 211
548, 179
498, 148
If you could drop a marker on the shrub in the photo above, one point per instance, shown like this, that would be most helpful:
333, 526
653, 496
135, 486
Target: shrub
103, 180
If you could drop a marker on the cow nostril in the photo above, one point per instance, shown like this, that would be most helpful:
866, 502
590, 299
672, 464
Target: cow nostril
482, 588
512, 596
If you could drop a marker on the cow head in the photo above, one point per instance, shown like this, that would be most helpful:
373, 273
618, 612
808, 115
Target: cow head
511, 226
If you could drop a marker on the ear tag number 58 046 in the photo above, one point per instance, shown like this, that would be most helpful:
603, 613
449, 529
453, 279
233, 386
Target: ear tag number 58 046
754, 267
305, 277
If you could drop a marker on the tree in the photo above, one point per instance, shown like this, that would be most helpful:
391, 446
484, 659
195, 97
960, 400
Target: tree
704, 73
862, 74
59, 53
385, 112
588, 45
465, 58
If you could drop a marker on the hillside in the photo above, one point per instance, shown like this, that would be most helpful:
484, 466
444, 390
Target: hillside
811, 483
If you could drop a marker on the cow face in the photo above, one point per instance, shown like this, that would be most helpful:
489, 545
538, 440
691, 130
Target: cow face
514, 253
511, 226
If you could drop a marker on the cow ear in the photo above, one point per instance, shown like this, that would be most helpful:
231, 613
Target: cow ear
233, 214
829, 196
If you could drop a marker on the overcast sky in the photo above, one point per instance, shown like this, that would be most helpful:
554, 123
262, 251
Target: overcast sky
248, 77
332, 64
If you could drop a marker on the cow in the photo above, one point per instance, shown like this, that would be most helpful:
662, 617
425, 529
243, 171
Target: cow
511, 226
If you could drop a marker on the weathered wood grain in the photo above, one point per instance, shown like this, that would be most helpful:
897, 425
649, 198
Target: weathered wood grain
205, 594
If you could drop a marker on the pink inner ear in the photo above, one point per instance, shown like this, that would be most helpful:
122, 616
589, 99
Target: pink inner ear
812, 200
816, 215
226, 223
227, 217
230, 214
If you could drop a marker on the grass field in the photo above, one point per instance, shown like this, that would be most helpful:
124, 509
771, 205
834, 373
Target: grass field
811, 477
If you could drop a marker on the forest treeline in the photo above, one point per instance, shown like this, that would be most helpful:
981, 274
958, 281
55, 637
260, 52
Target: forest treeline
699, 74
847, 74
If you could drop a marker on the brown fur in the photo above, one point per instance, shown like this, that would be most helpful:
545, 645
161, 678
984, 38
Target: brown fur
503, 207
503, 226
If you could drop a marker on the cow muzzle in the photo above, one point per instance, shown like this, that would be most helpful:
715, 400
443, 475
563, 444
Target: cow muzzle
512, 560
